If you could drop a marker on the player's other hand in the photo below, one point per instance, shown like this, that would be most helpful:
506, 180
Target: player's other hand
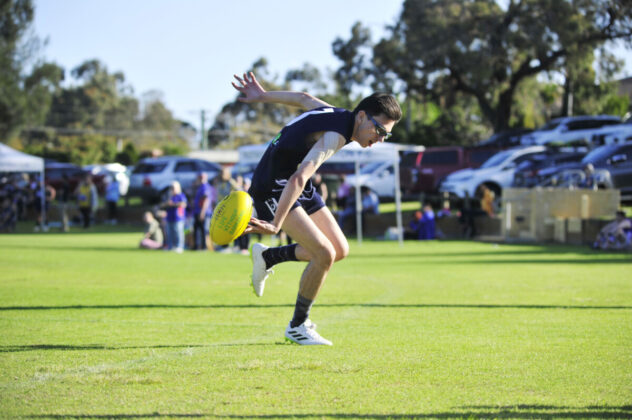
260, 226
249, 87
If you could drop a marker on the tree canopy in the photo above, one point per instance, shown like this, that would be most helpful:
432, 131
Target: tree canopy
479, 49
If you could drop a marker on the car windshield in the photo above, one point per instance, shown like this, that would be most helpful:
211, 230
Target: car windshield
370, 167
490, 140
549, 126
444, 157
599, 153
149, 168
497, 159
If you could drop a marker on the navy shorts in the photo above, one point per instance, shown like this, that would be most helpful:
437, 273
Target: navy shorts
266, 203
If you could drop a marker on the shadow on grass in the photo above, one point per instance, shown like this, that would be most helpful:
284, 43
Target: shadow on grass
459, 258
36, 347
69, 347
322, 305
517, 412
131, 247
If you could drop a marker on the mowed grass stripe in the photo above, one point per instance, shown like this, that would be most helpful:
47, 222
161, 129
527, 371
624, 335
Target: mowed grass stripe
94, 327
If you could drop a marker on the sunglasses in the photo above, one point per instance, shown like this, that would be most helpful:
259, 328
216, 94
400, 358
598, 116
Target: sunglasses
379, 128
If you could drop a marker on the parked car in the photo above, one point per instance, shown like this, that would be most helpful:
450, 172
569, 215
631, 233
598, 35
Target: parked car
527, 173
615, 158
619, 175
565, 130
619, 133
55, 171
506, 139
111, 170
378, 176
152, 177
422, 172
496, 173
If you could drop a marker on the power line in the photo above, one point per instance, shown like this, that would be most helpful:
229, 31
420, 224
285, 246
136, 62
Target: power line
106, 132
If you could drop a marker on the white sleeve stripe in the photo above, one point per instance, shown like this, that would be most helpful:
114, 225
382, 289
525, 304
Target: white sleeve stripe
328, 144
308, 113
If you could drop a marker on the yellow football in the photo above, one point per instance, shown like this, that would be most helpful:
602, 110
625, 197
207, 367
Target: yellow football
230, 217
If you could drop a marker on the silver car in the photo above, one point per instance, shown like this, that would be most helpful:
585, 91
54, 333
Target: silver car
152, 177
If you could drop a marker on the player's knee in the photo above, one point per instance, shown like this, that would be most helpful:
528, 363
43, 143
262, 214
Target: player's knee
342, 250
325, 256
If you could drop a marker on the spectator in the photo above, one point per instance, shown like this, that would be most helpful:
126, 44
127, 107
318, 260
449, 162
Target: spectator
153, 238
8, 215
369, 201
349, 208
616, 234
21, 198
344, 190
112, 196
423, 226
224, 184
63, 201
175, 205
321, 187
42, 216
445, 211
588, 182
87, 199
203, 204
487, 200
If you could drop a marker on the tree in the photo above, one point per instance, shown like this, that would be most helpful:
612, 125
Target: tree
24, 96
477, 48
239, 123
354, 69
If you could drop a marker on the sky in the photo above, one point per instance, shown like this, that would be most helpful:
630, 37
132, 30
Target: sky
189, 49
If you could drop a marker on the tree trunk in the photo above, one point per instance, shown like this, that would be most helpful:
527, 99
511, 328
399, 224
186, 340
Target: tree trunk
503, 111
567, 105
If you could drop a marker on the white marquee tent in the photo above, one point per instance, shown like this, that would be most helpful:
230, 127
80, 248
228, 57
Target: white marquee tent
12, 160
355, 153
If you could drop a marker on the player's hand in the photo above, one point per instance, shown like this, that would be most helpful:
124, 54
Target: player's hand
249, 87
260, 226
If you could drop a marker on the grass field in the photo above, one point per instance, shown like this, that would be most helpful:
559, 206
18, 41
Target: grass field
92, 327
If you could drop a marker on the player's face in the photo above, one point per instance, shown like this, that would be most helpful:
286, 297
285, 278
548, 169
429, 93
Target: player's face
373, 129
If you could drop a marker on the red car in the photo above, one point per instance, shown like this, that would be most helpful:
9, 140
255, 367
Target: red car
55, 171
422, 172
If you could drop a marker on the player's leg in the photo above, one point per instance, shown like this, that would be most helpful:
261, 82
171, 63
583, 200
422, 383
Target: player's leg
315, 247
312, 245
328, 225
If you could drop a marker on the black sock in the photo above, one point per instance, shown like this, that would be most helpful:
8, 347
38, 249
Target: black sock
279, 254
301, 310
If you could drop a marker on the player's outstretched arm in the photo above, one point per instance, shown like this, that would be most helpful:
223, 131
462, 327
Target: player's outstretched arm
254, 92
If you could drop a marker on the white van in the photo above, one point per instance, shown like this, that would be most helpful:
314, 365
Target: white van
378, 176
569, 129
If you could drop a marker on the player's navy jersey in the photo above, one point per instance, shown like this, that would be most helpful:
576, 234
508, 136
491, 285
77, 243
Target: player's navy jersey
288, 149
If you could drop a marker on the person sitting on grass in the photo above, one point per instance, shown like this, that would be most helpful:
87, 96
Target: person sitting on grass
616, 234
422, 227
153, 238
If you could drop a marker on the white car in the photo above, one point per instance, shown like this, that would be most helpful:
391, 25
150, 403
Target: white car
378, 176
569, 129
496, 173
112, 170
614, 134
152, 177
